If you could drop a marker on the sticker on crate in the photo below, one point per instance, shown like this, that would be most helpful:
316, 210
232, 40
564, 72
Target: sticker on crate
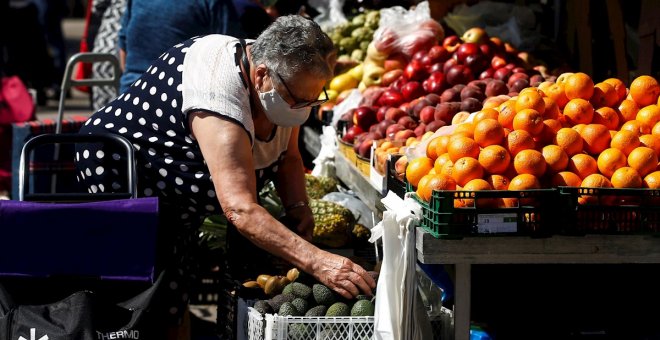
497, 223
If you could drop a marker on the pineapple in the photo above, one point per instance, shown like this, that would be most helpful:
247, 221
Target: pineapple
333, 223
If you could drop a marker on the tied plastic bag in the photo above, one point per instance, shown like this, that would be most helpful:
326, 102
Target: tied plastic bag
324, 161
330, 13
400, 313
407, 31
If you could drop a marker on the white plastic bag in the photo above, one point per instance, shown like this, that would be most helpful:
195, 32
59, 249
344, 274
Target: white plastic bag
330, 13
400, 312
324, 161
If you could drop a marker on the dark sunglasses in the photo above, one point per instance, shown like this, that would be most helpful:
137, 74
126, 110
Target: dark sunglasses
303, 103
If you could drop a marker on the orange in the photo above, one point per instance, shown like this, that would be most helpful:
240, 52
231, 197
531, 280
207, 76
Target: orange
606, 116
593, 181
652, 142
488, 132
543, 86
529, 120
652, 180
555, 158
626, 177
431, 148
461, 146
551, 109
619, 87
569, 140
507, 112
628, 111
498, 182
440, 161
418, 168
596, 138
485, 113
429, 183
563, 78
645, 90
441, 145
582, 165
530, 99
610, 160
579, 85
648, 116
466, 169
626, 141
530, 162
465, 129
656, 129
578, 111
565, 179
447, 169
479, 184
547, 135
578, 127
643, 159
519, 140
557, 94
604, 95
524, 182
432, 172
494, 159
634, 126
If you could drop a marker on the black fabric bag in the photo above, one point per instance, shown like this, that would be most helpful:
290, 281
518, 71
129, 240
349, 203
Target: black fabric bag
83, 315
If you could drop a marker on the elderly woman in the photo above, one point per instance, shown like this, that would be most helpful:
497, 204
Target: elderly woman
211, 120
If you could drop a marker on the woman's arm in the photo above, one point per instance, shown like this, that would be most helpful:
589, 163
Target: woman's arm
290, 185
226, 149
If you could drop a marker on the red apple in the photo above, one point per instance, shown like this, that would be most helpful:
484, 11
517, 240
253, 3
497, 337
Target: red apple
419, 55
449, 64
488, 73
412, 90
495, 88
435, 125
472, 92
398, 84
502, 73
515, 76
415, 70
426, 115
518, 69
476, 62
446, 111
481, 84
407, 122
510, 66
364, 117
466, 50
382, 126
394, 113
497, 62
420, 130
459, 74
395, 61
535, 80
518, 85
438, 54
351, 133
475, 35
390, 77
433, 99
451, 43
437, 67
392, 130
380, 114
417, 105
450, 95
471, 105
390, 97
364, 149
403, 135
487, 50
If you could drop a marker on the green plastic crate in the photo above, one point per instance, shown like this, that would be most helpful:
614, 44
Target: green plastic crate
609, 211
535, 214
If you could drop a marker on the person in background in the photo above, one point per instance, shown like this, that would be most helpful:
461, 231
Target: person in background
106, 41
150, 27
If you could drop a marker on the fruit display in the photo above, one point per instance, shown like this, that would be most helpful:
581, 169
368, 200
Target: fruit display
570, 132
353, 37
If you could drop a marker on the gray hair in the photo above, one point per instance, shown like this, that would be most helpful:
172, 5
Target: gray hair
293, 45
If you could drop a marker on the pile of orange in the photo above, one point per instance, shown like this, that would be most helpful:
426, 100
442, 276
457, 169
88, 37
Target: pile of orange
571, 132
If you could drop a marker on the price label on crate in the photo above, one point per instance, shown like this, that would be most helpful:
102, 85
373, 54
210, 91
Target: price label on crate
497, 223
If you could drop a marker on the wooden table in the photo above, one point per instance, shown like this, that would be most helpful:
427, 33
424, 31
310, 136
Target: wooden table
589, 249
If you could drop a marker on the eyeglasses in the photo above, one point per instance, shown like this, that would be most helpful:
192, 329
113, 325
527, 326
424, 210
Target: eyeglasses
303, 103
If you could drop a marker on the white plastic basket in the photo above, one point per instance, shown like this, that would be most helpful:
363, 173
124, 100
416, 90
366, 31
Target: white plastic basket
275, 327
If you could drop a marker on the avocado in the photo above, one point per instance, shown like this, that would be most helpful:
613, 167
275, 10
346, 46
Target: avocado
301, 331
338, 309
317, 311
262, 307
363, 308
288, 289
301, 290
323, 295
301, 305
288, 309
277, 301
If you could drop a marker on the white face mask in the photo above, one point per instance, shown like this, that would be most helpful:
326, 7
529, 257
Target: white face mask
279, 112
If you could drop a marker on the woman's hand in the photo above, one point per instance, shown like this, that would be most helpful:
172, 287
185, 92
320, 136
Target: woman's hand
342, 275
304, 220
